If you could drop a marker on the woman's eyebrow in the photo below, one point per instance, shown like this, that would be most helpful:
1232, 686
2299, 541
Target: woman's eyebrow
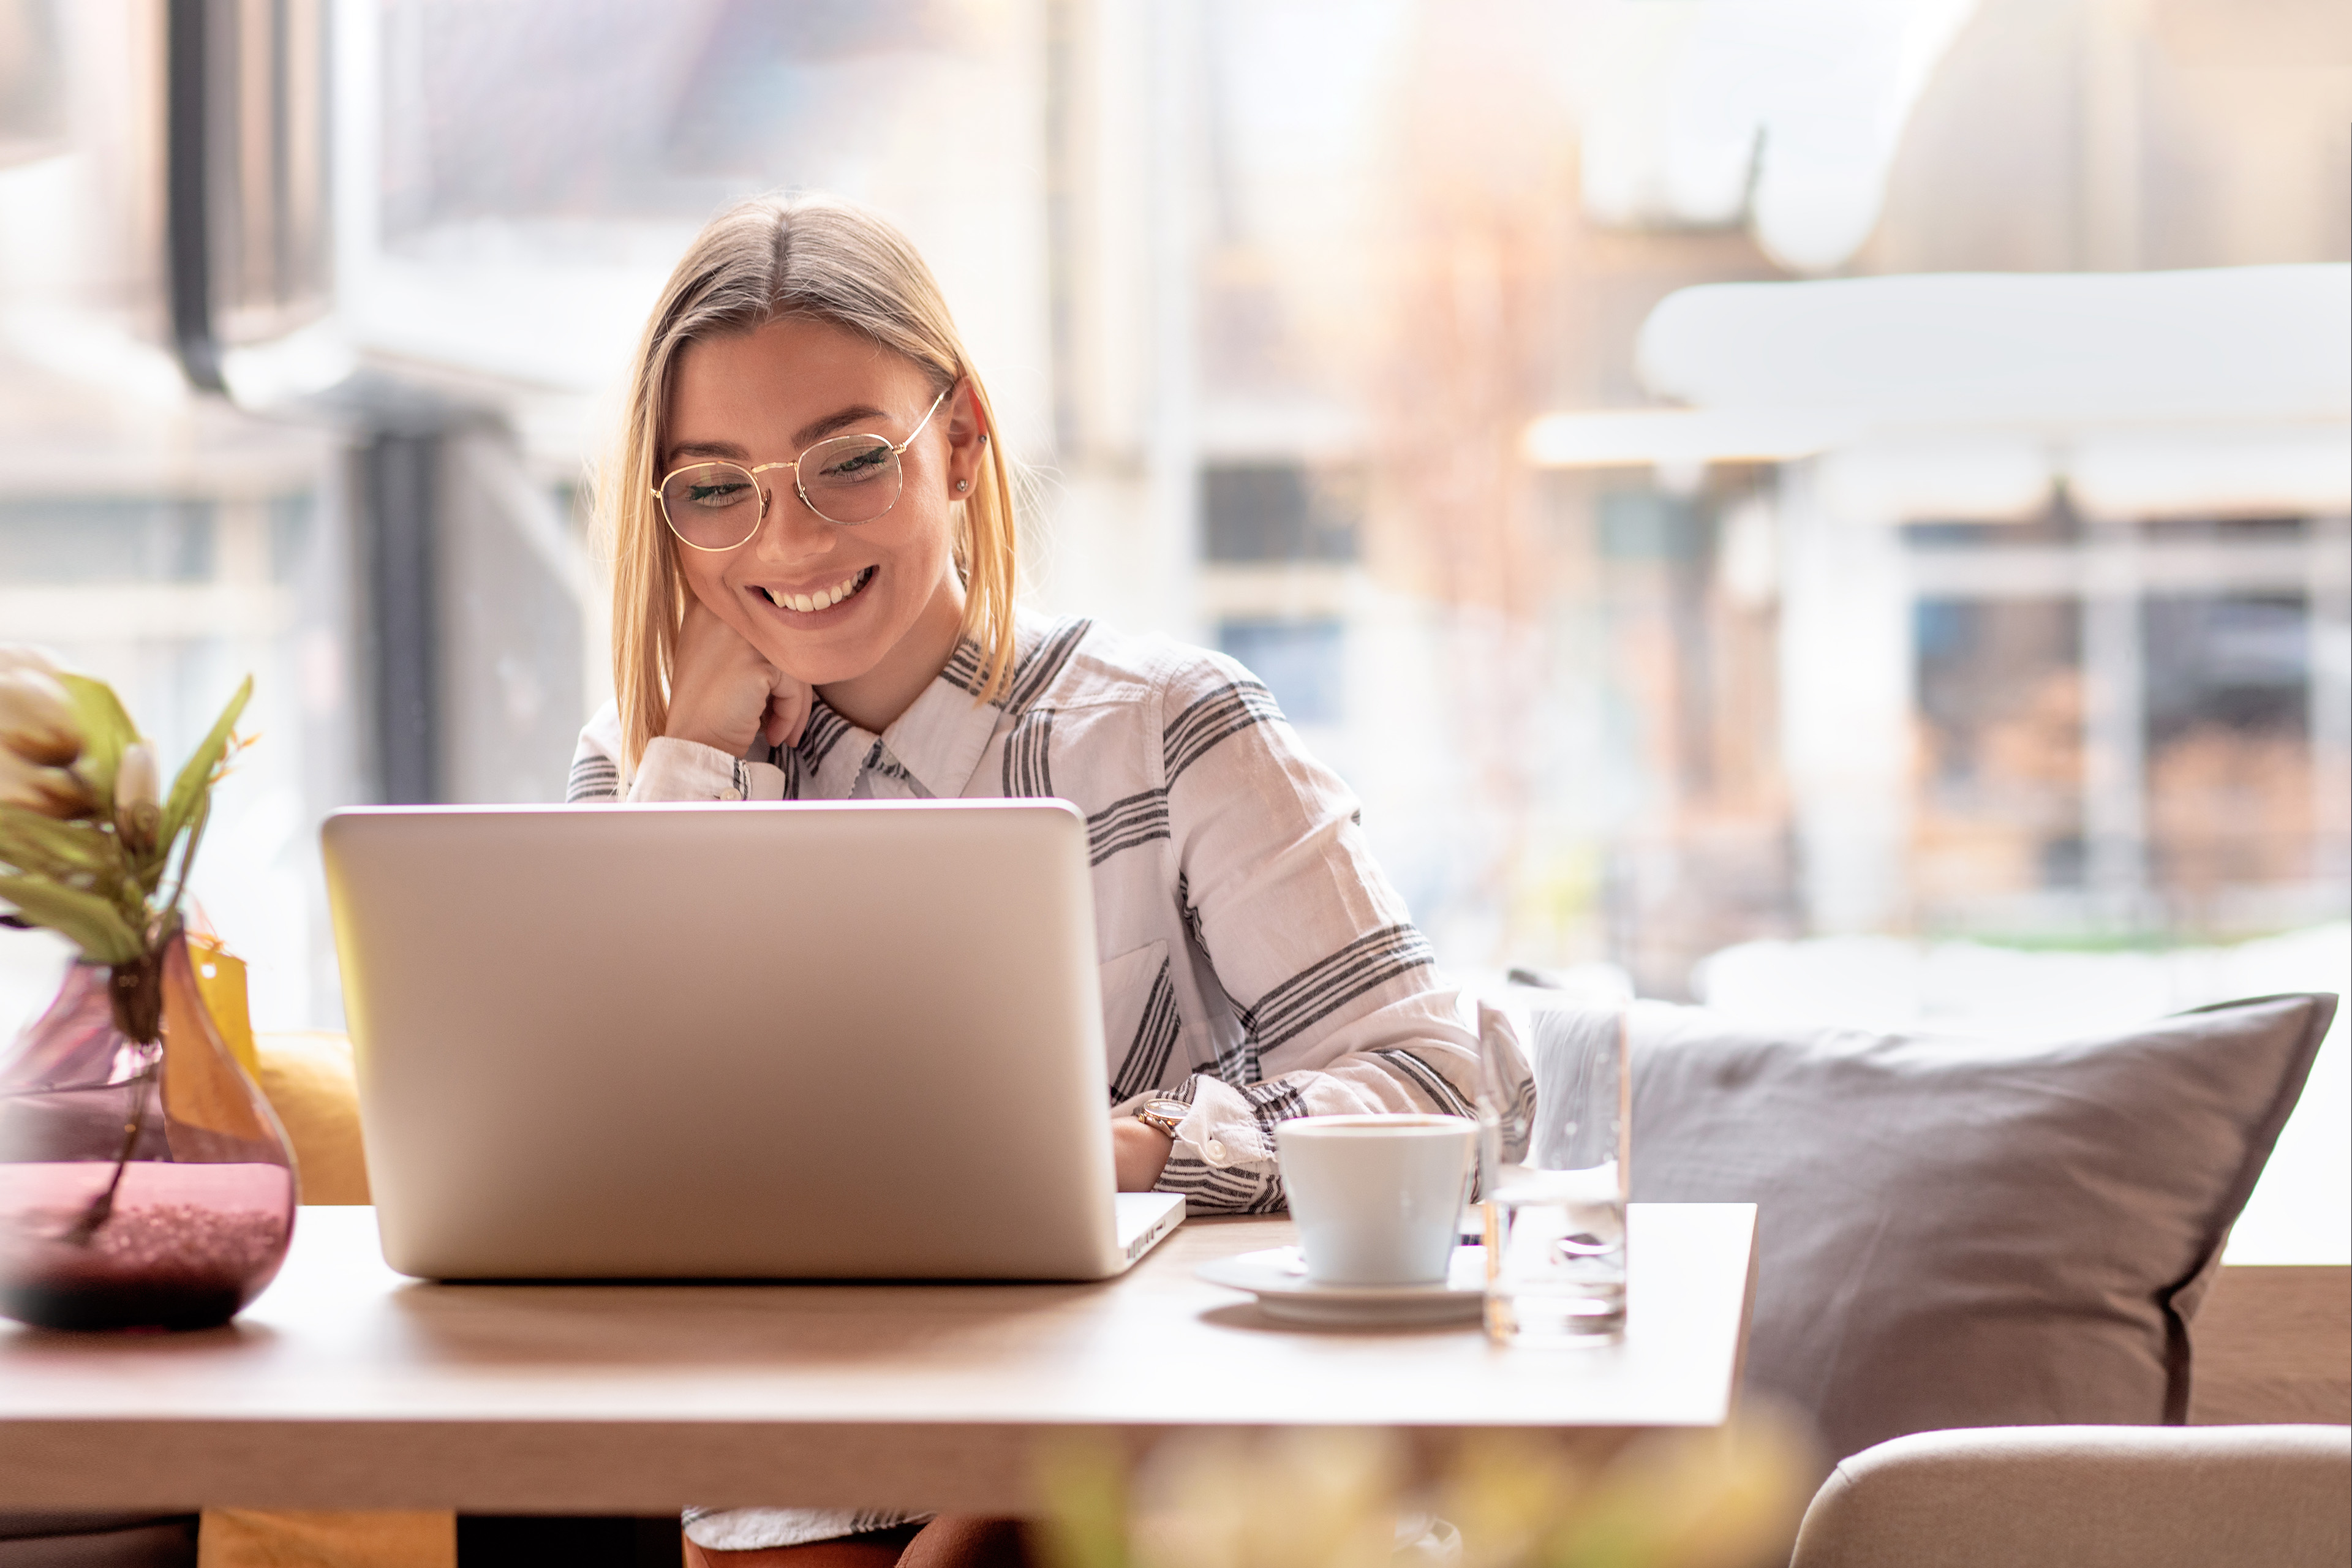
816, 430
725, 449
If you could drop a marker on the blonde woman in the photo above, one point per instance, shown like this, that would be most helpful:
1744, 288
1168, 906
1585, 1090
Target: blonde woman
813, 543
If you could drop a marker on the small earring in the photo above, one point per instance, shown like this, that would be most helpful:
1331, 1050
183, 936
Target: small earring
963, 484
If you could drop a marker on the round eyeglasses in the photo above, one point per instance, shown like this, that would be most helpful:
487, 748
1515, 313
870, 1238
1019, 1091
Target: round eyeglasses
844, 480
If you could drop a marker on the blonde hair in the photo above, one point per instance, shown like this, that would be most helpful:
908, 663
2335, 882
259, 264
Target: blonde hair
771, 256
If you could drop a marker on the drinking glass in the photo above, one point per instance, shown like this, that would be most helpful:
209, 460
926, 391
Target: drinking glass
1554, 1178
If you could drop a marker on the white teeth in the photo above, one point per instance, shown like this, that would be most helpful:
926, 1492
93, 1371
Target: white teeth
824, 599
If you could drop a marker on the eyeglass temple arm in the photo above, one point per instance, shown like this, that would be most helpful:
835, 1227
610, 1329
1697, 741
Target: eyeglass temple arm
924, 424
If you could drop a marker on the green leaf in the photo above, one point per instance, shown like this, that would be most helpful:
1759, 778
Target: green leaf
96, 925
106, 729
33, 842
196, 776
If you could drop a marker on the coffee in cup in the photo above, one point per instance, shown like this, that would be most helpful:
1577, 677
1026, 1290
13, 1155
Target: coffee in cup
1378, 1199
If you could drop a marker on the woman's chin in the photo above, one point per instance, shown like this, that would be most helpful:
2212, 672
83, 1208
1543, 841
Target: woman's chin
872, 631
822, 672
815, 659
822, 652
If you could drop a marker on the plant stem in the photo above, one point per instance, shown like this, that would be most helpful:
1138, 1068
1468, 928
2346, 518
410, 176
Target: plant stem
136, 991
101, 1207
188, 855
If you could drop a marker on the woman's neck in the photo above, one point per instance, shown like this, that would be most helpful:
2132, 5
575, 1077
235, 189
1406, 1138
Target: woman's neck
874, 700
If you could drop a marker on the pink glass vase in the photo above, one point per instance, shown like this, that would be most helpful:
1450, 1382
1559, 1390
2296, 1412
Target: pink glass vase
145, 1183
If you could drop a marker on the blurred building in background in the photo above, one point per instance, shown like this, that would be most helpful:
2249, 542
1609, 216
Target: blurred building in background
1561, 405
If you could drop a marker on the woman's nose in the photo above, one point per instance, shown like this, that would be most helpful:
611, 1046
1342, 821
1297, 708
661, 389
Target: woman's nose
785, 519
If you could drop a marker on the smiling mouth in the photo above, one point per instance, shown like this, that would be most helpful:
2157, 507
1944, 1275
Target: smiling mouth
823, 599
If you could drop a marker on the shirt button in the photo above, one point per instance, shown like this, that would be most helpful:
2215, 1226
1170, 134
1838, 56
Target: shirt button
730, 792
1215, 1150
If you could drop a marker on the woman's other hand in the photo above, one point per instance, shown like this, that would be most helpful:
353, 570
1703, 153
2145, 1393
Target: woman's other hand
723, 694
1140, 1152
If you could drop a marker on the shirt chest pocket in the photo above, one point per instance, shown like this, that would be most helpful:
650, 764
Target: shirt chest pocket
1139, 1020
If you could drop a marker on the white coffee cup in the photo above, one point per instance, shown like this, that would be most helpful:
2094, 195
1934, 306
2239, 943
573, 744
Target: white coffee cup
1378, 1199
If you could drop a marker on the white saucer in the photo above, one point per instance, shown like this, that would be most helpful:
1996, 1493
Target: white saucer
1277, 1277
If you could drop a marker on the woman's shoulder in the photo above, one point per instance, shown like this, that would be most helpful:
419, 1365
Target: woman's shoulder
1096, 662
595, 771
601, 736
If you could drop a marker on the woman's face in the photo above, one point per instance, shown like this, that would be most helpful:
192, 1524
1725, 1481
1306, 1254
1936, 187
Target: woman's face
763, 396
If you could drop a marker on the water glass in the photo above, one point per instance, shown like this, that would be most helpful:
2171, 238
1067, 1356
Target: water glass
1553, 1180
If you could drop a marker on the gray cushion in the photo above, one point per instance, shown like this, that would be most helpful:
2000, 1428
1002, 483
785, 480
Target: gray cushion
1960, 1233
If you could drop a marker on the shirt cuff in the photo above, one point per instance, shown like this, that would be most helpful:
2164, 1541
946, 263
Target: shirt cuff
1224, 1129
672, 769
1223, 1161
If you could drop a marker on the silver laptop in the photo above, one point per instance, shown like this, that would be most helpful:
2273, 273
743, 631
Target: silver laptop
797, 1041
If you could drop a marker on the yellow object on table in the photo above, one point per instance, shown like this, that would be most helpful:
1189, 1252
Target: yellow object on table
250, 1538
306, 1078
220, 980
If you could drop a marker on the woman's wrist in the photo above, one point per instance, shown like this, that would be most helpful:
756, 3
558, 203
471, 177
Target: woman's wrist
701, 735
1140, 1152
711, 724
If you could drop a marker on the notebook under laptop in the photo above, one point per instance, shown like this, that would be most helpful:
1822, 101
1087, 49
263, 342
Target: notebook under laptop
838, 1040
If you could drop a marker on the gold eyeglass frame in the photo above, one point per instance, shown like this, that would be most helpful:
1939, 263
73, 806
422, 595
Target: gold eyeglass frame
897, 452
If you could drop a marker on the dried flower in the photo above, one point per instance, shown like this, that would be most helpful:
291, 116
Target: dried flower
111, 892
138, 798
52, 792
37, 718
15, 656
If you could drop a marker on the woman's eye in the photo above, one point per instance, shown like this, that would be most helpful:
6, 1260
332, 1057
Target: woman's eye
858, 465
723, 494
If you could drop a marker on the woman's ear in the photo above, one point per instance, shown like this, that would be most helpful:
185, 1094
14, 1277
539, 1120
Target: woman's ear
968, 435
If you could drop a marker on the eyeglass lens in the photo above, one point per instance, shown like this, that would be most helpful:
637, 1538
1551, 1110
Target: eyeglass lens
846, 479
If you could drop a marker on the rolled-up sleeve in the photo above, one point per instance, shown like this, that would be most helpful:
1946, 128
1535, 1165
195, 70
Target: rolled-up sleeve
1337, 1003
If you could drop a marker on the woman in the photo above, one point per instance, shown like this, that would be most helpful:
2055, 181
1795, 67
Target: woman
813, 537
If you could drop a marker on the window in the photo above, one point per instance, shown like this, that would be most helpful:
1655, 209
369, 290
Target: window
1271, 297
2232, 791
32, 96
1302, 662
1281, 511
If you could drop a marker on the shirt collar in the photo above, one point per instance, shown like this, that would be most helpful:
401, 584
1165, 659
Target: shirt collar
832, 750
937, 740
940, 737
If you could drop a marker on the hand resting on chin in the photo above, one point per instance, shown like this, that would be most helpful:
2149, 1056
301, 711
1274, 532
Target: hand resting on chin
724, 695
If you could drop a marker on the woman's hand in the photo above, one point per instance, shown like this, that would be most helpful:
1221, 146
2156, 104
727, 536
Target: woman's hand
1139, 1150
722, 693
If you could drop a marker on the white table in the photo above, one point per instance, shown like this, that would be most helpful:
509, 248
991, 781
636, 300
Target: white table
347, 1386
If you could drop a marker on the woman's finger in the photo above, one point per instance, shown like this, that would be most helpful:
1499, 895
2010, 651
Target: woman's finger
720, 685
788, 703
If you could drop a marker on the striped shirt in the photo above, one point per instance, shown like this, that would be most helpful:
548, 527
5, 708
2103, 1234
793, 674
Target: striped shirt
1255, 962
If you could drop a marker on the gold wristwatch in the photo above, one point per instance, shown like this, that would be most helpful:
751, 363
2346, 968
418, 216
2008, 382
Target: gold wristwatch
1162, 1113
